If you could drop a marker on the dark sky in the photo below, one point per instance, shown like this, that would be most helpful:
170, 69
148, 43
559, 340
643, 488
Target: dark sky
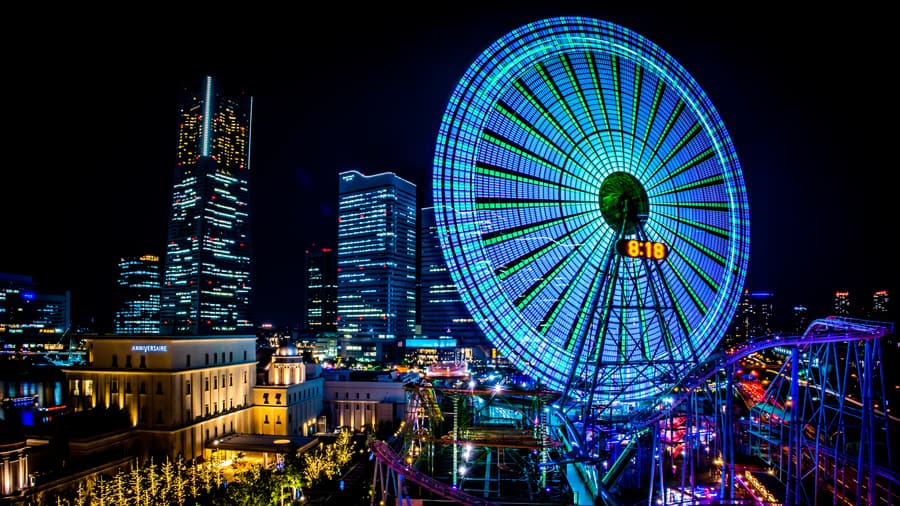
91, 117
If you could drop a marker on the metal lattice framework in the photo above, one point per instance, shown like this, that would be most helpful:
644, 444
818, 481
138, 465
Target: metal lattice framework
563, 138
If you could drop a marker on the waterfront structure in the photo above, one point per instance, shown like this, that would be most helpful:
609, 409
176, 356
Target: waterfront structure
321, 291
376, 257
207, 277
29, 318
139, 289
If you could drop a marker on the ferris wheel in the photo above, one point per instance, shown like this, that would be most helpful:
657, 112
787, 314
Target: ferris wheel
591, 209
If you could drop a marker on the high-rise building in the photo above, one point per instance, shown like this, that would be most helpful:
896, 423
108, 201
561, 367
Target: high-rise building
138, 289
376, 256
207, 278
880, 304
321, 290
799, 319
842, 303
28, 317
754, 317
442, 313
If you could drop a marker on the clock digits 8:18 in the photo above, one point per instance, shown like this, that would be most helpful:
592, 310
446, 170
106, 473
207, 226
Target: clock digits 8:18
634, 248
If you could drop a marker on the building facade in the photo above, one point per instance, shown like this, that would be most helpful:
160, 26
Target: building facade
290, 401
29, 318
841, 303
361, 403
180, 393
207, 274
441, 312
376, 256
321, 291
138, 284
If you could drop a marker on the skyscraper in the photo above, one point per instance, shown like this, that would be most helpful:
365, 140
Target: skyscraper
880, 304
321, 290
754, 317
207, 279
138, 286
799, 319
442, 312
842, 303
376, 256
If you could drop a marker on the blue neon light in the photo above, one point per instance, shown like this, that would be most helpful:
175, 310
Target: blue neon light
536, 125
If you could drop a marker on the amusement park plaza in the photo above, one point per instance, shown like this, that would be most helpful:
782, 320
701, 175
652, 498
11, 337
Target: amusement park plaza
565, 322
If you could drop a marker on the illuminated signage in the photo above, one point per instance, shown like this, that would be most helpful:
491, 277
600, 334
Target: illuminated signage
150, 348
642, 249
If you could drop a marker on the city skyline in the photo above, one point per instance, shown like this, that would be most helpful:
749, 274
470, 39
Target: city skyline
371, 99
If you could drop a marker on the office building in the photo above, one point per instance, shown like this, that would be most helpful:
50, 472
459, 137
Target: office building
207, 282
376, 257
139, 291
30, 318
321, 291
754, 318
441, 311
881, 304
799, 319
842, 303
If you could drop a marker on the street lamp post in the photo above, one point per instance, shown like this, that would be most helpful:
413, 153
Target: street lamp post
281, 444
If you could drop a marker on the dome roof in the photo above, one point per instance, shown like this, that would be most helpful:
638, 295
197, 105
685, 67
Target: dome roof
287, 349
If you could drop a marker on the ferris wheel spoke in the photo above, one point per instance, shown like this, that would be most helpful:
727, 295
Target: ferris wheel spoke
538, 137
673, 119
568, 66
652, 114
592, 69
532, 99
553, 86
566, 240
507, 145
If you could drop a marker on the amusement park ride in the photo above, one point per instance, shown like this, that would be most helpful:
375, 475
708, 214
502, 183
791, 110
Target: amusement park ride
593, 215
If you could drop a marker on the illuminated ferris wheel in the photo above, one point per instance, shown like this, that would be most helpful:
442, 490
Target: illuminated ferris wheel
591, 208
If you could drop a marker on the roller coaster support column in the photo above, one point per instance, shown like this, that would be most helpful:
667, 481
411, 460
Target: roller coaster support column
728, 434
795, 443
867, 428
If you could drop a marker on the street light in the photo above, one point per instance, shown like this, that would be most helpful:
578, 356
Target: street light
280, 444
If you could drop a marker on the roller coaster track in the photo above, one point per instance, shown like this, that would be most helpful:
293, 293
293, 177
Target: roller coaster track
822, 331
395, 462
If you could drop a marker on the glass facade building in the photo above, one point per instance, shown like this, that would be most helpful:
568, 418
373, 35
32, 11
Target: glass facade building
442, 313
207, 277
376, 256
139, 291
321, 290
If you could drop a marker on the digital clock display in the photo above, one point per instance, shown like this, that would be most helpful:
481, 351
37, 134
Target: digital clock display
633, 248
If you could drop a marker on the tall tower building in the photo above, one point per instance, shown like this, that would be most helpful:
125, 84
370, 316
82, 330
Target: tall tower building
321, 290
442, 312
799, 319
842, 303
207, 278
880, 304
376, 256
754, 317
139, 292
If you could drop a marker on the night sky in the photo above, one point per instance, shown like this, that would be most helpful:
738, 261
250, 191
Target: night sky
91, 124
